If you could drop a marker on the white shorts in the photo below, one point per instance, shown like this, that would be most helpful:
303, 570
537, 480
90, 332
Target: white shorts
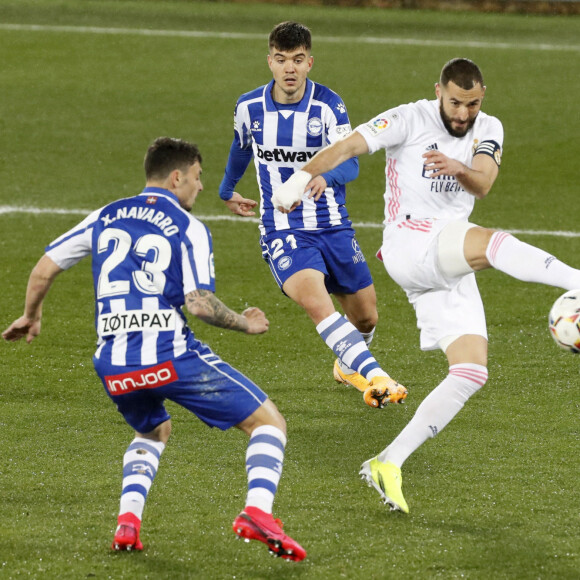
445, 305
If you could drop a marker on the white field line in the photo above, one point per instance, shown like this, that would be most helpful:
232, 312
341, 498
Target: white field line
10, 209
252, 36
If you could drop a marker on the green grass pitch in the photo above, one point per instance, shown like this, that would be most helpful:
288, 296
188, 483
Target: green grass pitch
494, 496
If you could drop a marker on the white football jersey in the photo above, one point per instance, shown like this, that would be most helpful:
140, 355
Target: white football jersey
408, 131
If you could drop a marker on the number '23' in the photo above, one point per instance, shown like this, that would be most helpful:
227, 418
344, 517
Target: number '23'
150, 279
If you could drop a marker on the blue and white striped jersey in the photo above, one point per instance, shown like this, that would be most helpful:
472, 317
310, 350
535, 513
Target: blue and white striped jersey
282, 139
147, 254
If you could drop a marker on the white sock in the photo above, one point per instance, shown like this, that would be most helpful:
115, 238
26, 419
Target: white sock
528, 263
349, 345
140, 465
264, 460
436, 410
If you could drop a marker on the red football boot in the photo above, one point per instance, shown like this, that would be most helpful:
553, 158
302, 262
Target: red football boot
254, 524
127, 533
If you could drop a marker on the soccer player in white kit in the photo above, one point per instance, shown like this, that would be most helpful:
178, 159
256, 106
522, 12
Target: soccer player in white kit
441, 155
313, 252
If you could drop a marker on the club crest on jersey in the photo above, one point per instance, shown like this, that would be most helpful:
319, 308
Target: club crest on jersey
284, 263
314, 126
376, 126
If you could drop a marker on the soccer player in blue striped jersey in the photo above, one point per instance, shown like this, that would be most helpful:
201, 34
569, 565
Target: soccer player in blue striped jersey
312, 252
150, 257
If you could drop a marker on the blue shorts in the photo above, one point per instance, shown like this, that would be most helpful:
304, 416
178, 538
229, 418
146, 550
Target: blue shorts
334, 252
199, 380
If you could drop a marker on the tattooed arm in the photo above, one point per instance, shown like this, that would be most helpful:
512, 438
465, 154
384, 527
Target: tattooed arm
208, 307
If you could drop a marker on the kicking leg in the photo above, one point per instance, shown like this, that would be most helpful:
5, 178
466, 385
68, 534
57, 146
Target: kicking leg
528, 263
487, 248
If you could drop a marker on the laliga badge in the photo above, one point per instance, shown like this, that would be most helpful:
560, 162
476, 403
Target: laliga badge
378, 125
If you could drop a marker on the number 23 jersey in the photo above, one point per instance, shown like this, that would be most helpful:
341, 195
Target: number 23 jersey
147, 254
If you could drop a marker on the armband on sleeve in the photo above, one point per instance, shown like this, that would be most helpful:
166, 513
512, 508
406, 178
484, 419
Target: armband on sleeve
491, 148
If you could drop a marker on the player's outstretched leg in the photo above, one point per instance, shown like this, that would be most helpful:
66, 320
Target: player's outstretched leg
255, 524
528, 263
264, 460
387, 480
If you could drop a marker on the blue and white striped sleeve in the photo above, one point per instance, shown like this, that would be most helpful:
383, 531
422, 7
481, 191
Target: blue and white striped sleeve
70, 248
197, 258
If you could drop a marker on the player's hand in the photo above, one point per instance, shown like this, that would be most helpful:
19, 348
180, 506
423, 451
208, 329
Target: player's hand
288, 196
241, 205
257, 321
438, 163
317, 187
22, 327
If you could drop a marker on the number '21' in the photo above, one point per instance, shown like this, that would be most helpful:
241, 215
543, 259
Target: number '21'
277, 246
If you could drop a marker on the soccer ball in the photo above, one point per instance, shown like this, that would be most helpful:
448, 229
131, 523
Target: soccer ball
564, 321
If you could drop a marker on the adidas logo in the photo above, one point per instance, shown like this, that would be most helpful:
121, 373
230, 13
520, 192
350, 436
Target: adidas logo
432, 147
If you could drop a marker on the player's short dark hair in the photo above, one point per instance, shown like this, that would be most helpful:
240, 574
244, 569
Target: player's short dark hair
463, 72
288, 36
166, 154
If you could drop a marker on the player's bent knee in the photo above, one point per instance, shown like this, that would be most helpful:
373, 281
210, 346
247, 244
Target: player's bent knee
450, 249
365, 325
266, 414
